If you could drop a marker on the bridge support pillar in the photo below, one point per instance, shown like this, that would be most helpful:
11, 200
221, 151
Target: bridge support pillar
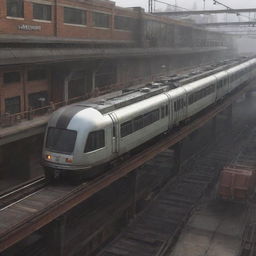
57, 236
177, 156
16, 160
134, 192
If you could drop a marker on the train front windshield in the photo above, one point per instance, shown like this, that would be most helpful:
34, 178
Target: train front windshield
60, 140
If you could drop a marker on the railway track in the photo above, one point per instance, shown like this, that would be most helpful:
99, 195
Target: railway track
32, 212
20, 191
154, 231
246, 160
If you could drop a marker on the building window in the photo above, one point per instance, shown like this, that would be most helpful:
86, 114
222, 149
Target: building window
106, 75
42, 11
124, 23
74, 16
37, 74
11, 77
15, 8
95, 140
101, 20
38, 99
12, 105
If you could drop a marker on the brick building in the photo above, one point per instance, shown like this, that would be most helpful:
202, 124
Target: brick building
59, 50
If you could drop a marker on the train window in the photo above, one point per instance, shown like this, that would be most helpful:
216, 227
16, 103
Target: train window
61, 140
155, 115
15, 8
138, 123
183, 103
147, 119
114, 131
162, 112
38, 99
124, 23
74, 16
12, 105
95, 140
126, 128
42, 11
11, 77
101, 20
151, 117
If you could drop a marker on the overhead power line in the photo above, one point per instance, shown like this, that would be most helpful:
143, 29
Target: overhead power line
172, 5
215, 2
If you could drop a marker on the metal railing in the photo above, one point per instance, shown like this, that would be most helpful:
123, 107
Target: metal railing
8, 119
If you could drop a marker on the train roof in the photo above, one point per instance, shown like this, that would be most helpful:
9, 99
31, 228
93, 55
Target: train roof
127, 98
166, 84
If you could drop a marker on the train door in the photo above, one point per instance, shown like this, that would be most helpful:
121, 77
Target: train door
179, 109
184, 107
168, 109
115, 133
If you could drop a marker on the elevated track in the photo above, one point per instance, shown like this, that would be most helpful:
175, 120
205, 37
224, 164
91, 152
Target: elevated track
28, 214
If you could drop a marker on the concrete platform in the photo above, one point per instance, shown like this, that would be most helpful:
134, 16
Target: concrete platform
215, 229
24, 129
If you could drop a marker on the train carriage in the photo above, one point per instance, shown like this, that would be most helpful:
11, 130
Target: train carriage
82, 136
77, 138
141, 121
200, 94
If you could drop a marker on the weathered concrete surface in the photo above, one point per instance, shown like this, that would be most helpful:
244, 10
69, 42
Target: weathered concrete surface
23, 130
215, 229
45, 55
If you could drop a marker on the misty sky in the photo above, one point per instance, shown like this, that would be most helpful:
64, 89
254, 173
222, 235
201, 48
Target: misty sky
190, 3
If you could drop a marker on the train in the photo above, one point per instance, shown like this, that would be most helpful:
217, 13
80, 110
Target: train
82, 136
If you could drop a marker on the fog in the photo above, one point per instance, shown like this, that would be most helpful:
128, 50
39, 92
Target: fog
191, 4
244, 44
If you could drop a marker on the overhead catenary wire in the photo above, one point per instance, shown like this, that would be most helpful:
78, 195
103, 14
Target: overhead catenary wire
215, 2
172, 5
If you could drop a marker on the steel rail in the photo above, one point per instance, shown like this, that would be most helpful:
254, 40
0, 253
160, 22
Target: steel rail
85, 191
11, 195
18, 186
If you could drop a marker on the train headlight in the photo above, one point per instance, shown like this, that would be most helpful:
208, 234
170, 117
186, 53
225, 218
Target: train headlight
48, 157
69, 160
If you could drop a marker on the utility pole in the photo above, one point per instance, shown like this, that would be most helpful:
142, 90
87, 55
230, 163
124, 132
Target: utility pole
150, 6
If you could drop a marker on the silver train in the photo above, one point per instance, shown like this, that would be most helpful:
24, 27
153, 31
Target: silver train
82, 136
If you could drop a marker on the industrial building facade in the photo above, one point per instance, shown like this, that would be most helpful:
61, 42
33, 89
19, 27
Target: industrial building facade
98, 38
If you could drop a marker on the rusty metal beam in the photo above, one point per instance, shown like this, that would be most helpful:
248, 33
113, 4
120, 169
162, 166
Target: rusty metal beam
185, 13
83, 192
